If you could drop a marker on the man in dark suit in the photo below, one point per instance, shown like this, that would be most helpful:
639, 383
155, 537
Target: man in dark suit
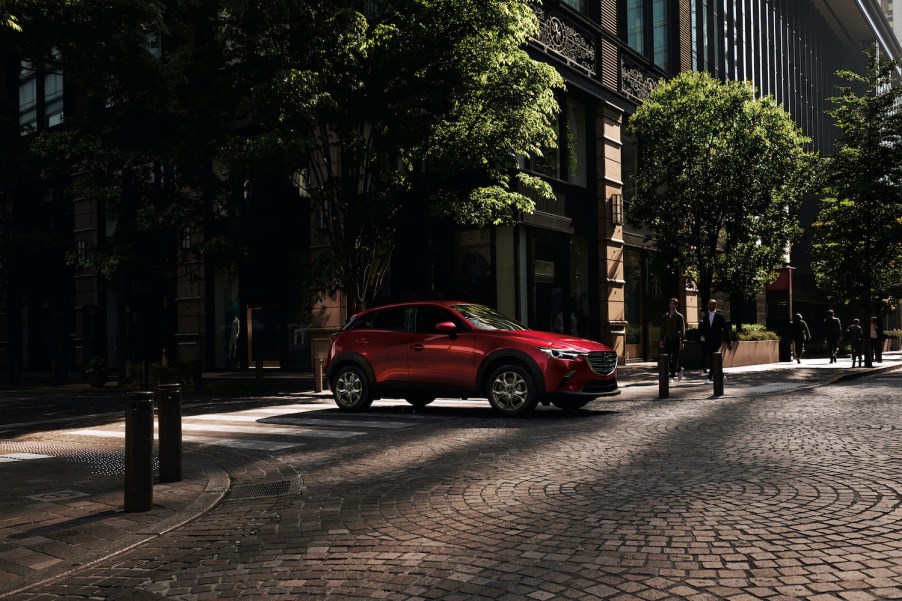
832, 334
713, 333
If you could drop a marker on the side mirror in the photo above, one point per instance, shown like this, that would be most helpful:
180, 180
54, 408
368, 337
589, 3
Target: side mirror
446, 327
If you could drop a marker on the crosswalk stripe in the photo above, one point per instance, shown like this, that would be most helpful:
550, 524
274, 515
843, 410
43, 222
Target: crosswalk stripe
260, 445
12, 457
317, 421
303, 432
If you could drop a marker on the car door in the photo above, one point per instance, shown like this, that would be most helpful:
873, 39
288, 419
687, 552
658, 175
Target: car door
439, 359
384, 340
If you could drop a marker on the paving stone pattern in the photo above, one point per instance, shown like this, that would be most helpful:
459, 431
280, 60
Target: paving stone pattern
792, 496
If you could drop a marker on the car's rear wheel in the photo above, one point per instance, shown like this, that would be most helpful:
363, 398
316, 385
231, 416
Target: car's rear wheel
351, 390
570, 404
511, 390
419, 400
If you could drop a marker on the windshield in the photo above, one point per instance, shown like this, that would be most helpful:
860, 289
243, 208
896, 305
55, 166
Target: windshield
486, 318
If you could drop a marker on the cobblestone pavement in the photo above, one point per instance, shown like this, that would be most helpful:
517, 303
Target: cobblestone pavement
773, 496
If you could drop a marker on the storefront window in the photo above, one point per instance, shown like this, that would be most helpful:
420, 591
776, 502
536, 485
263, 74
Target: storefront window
473, 266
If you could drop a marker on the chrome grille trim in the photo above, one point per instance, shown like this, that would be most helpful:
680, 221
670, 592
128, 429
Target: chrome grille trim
602, 362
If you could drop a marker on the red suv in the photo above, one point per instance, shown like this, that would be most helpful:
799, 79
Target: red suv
421, 350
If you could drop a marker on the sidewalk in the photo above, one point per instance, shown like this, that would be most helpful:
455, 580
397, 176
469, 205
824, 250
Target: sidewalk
79, 518
640, 380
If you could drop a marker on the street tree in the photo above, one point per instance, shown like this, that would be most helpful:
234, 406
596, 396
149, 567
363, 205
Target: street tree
720, 178
857, 248
387, 108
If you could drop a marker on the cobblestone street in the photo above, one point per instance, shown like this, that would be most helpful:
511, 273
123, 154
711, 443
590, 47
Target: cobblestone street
785, 496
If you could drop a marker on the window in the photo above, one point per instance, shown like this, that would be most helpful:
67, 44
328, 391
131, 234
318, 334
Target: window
53, 99
28, 98
635, 25
577, 5
576, 143
428, 316
41, 98
661, 33
646, 27
391, 319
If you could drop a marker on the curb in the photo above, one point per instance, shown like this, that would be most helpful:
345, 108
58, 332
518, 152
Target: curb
218, 484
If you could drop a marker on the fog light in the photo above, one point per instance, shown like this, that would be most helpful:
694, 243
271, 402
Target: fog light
566, 377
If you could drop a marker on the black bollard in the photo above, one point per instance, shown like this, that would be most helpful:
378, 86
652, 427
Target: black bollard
139, 451
317, 374
169, 415
663, 376
717, 373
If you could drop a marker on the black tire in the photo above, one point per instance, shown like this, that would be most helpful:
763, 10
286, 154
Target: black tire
419, 400
512, 391
570, 404
351, 390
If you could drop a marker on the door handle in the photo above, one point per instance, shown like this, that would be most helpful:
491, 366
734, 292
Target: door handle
362, 341
417, 347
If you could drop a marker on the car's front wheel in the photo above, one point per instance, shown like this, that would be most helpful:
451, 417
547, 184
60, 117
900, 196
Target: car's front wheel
511, 390
350, 389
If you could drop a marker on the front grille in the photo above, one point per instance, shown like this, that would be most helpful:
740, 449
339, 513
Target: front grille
602, 362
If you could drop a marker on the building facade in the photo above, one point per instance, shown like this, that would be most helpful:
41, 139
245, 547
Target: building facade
574, 265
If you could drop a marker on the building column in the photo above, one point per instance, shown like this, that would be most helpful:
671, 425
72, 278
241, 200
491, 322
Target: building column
608, 147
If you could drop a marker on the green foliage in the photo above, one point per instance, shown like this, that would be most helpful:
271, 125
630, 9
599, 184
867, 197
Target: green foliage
95, 364
720, 180
857, 249
756, 331
390, 105
893, 333
751, 332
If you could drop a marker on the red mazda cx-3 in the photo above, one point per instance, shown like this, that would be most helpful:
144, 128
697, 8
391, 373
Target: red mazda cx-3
421, 350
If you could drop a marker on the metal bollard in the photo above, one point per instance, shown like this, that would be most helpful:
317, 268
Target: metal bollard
139, 451
717, 373
663, 376
317, 375
169, 415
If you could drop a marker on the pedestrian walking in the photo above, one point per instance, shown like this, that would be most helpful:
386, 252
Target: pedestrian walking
673, 337
875, 340
854, 333
800, 335
832, 334
712, 333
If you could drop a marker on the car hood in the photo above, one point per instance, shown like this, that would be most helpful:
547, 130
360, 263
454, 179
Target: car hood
556, 341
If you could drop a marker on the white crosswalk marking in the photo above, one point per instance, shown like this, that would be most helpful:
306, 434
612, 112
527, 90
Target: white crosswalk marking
11, 457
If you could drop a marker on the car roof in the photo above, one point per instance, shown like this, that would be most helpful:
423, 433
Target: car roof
441, 302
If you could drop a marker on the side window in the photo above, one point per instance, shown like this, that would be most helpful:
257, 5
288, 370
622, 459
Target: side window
428, 316
391, 319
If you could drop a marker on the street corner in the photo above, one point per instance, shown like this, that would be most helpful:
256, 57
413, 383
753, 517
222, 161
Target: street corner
62, 508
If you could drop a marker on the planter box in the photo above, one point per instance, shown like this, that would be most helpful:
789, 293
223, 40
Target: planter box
892, 344
744, 352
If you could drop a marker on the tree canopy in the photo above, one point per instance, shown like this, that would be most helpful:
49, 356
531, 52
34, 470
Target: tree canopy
391, 106
720, 179
857, 250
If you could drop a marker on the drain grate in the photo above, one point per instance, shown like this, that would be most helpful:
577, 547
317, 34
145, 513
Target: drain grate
257, 491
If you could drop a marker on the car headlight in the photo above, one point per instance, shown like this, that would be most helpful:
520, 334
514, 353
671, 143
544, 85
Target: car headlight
556, 353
